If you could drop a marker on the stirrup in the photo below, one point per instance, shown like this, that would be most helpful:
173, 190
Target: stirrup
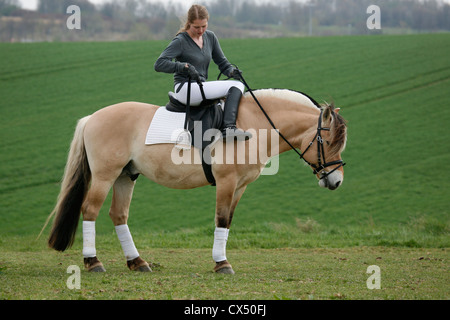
236, 133
184, 140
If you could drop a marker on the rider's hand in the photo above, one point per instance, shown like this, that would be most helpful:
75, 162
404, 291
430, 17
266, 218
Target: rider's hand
235, 74
192, 72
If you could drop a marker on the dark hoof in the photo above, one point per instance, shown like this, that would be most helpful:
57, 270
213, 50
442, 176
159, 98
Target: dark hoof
138, 264
93, 265
97, 269
226, 270
144, 269
223, 267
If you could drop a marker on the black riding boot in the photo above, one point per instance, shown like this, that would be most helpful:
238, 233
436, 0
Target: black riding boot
229, 116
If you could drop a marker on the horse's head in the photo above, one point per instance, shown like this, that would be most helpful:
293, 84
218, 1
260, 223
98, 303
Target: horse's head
323, 147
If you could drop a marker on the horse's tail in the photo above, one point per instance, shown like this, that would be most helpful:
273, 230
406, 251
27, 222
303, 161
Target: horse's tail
74, 186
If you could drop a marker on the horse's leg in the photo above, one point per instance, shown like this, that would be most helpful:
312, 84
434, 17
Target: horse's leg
237, 196
91, 207
123, 191
227, 198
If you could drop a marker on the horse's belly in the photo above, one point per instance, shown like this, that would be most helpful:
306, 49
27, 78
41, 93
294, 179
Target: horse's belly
167, 166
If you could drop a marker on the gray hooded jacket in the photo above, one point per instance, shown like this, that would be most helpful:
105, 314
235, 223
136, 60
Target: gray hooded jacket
184, 50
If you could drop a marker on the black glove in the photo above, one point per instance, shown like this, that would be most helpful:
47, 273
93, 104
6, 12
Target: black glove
235, 74
192, 72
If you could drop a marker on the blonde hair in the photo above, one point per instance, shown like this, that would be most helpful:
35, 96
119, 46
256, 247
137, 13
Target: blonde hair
196, 12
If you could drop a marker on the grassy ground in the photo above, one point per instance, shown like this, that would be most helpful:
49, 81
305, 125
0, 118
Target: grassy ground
393, 91
285, 273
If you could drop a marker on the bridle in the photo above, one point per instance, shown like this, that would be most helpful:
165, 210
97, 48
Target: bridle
321, 161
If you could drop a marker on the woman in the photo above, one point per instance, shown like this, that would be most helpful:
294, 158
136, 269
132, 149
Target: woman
189, 55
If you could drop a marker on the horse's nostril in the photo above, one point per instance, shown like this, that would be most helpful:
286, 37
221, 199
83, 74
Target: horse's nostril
338, 184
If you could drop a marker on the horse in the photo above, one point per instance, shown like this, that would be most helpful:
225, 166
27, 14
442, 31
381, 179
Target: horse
108, 151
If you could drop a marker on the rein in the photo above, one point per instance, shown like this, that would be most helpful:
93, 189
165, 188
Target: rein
188, 103
320, 167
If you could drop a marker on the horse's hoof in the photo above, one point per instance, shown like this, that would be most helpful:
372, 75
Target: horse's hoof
223, 267
225, 270
138, 264
97, 269
93, 265
144, 269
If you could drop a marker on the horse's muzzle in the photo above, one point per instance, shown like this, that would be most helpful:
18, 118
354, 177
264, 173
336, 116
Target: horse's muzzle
331, 181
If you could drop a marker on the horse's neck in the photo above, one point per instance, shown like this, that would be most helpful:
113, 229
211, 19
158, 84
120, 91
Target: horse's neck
292, 119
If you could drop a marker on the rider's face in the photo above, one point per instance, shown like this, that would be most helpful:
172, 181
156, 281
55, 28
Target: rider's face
198, 27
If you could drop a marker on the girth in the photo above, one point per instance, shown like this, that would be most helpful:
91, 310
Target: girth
210, 114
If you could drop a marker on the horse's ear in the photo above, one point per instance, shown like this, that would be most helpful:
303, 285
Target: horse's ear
326, 116
337, 110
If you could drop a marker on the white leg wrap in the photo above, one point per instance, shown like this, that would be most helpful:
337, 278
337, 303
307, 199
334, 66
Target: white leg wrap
124, 235
89, 239
220, 244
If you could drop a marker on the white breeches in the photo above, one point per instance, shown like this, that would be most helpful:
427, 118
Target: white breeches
213, 90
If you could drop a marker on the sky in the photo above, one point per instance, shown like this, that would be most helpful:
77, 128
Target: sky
32, 4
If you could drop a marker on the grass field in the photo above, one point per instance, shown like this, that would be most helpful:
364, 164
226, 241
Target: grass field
393, 205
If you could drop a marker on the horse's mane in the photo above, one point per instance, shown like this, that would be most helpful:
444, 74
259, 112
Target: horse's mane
339, 125
338, 132
290, 95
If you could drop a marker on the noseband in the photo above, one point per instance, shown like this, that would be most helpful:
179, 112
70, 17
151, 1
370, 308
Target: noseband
321, 162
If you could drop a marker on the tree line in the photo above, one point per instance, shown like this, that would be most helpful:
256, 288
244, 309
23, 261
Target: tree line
143, 20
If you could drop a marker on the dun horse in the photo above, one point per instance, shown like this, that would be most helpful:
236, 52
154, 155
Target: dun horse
108, 150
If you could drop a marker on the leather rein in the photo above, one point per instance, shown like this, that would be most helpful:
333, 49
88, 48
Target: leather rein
321, 162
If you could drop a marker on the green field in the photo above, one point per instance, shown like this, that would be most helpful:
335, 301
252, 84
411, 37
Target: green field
393, 90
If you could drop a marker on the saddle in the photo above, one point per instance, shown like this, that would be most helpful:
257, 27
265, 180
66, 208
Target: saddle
210, 114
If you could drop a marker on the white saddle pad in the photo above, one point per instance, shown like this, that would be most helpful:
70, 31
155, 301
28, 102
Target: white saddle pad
165, 127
